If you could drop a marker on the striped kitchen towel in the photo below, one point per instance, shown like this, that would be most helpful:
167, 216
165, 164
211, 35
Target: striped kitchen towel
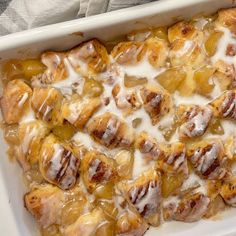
17, 15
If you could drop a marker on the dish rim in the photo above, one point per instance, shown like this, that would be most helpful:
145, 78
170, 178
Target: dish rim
38, 34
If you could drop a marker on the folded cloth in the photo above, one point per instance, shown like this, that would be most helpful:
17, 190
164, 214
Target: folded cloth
17, 15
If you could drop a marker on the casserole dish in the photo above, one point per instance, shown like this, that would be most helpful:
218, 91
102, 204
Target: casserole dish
67, 35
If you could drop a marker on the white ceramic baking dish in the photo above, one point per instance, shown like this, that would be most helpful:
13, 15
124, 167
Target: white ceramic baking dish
14, 219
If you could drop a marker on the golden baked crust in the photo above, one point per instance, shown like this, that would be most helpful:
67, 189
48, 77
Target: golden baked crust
145, 194
157, 102
58, 163
46, 103
194, 120
110, 131
15, 101
97, 169
208, 159
78, 111
45, 204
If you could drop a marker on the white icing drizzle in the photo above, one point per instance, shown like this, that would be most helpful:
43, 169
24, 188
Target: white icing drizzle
166, 120
194, 99
23, 99
200, 23
229, 128
30, 135
216, 90
28, 117
179, 161
111, 130
48, 108
188, 44
111, 107
226, 39
76, 62
199, 122
149, 198
55, 161
192, 180
51, 61
170, 199
140, 164
85, 140
231, 109
74, 82
63, 166
207, 159
146, 124
76, 109
93, 169
142, 69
